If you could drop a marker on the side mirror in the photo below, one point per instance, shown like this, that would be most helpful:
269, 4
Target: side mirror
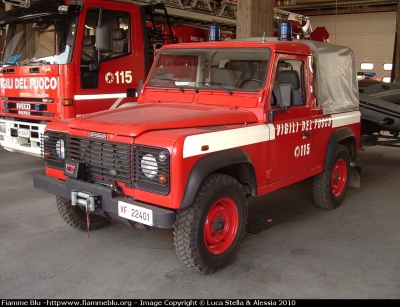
212, 63
93, 66
103, 38
140, 85
131, 92
286, 99
287, 95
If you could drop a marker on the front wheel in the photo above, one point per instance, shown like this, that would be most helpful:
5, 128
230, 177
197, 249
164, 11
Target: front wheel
76, 217
208, 233
330, 186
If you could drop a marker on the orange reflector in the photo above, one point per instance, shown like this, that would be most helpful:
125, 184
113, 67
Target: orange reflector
47, 154
205, 148
163, 178
67, 102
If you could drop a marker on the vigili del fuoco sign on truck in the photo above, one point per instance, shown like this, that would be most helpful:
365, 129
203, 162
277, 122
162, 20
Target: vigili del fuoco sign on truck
215, 123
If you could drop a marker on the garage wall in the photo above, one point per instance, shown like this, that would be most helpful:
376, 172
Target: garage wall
371, 36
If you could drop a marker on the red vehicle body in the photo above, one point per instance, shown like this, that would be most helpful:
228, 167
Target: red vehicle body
67, 59
215, 123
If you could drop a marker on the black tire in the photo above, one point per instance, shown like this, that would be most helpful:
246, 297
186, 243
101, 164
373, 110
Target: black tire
76, 217
330, 186
203, 242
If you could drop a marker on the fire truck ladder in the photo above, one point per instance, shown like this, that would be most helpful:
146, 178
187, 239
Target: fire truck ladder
223, 12
200, 13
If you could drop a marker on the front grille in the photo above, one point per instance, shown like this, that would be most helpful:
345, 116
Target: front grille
105, 161
33, 106
143, 167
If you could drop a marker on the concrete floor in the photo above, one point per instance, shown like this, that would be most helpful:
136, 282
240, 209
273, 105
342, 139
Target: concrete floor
308, 253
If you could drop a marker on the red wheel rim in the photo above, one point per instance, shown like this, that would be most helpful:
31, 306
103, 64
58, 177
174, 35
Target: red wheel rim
339, 177
221, 226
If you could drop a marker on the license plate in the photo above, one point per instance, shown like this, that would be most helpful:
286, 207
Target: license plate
23, 132
135, 213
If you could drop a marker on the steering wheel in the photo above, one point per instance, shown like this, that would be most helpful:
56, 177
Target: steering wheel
244, 81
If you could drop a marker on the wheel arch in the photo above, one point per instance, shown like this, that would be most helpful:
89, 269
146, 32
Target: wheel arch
233, 162
343, 136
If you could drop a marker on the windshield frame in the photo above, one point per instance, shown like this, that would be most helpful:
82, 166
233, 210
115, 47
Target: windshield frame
223, 68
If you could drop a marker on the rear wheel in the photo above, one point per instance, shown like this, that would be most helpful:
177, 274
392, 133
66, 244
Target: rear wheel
330, 186
76, 217
208, 233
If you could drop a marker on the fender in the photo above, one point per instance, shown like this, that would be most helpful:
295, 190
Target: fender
337, 137
210, 164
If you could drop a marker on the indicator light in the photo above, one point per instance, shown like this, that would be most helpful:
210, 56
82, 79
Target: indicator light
67, 102
38, 107
163, 178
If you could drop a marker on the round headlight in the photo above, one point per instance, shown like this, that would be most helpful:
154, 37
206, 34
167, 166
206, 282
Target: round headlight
149, 166
162, 156
60, 149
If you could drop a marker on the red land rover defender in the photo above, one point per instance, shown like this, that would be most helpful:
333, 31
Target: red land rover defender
215, 123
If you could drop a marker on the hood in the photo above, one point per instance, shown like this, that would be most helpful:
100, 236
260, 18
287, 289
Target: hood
133, 121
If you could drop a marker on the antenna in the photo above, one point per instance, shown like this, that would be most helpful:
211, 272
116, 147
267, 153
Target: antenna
263, 40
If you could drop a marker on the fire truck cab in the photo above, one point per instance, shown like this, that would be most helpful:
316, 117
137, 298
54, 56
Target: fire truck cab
65, 59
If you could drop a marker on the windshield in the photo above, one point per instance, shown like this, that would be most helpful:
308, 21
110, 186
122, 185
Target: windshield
48, 41
227, 69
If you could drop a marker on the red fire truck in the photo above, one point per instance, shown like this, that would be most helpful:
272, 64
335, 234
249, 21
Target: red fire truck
66, 58
216, 123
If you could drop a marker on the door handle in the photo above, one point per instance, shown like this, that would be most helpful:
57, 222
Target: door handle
307, 133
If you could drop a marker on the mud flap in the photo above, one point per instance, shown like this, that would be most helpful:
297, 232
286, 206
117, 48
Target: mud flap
355, 177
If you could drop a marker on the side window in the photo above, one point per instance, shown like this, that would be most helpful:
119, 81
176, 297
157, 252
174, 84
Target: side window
89, 55
121, 33
121, 42
289, 72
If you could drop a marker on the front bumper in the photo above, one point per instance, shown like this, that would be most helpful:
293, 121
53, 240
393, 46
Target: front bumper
162, 218
20, 136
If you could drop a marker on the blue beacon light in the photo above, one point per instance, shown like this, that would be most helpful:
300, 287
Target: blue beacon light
285, 31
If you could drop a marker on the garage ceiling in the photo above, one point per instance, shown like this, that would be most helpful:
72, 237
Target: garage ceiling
333, 7
325, 7
203, 12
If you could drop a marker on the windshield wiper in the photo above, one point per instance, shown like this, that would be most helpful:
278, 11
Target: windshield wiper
11, 63
171, 80
218, 84
35, 62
